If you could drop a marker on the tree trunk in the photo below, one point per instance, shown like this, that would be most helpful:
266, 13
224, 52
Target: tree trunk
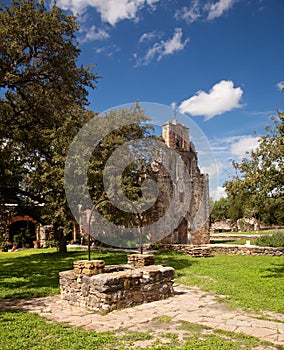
62, 242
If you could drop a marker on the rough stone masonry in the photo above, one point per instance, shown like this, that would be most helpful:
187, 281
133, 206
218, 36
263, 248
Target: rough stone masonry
195, 226
93, 285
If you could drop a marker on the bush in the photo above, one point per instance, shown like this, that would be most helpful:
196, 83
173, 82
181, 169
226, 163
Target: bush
24, 236
275, 240
5, 246
52, 243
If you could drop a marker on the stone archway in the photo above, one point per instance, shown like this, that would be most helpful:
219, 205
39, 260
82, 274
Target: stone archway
26, 226
22, 218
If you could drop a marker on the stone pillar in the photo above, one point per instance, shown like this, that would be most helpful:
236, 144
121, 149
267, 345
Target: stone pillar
140, 260
89, 267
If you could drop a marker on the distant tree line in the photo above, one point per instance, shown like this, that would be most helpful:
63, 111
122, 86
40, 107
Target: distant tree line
257, 189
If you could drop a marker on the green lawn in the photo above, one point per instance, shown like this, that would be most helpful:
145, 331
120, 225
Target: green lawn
251, 282
264, 232
276, 242
233, 242
33, 273
254, 283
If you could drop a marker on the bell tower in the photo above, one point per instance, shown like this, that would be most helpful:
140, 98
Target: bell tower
176, 135
194, 228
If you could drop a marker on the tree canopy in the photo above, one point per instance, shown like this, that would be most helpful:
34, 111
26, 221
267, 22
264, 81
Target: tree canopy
118, 163
43, 105
43, 102
220, 209
258, 186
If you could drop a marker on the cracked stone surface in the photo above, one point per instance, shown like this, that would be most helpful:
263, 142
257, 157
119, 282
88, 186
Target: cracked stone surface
189, 304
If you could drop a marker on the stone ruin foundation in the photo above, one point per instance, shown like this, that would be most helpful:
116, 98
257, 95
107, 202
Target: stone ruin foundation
103, 288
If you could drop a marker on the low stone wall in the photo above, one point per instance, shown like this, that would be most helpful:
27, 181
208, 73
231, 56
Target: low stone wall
193, 251
211, 249
232, 236
115, 286
245, 250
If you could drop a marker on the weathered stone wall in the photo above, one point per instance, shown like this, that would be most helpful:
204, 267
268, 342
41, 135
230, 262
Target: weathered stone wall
211, 249
193, 190
116, 286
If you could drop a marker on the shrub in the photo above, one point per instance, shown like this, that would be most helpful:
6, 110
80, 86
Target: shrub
52, 243
5, 246
275, 240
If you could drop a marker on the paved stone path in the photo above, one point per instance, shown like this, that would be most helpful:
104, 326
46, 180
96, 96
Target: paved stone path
189, 304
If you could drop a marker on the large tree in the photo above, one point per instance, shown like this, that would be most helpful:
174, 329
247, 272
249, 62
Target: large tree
42, 102
259, 183
220, 209
117, 164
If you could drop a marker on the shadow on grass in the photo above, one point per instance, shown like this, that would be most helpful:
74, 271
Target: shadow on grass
36, 275
276, 271
176, 260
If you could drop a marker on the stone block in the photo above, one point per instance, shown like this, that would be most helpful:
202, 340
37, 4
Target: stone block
89, 267
140, 260
67, 274
85, 290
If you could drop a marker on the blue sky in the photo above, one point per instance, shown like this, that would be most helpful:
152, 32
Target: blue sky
219, 61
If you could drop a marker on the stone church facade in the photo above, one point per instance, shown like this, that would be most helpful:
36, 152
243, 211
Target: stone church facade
195, 225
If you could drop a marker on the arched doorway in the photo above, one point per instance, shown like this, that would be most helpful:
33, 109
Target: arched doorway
23, 231
182, 232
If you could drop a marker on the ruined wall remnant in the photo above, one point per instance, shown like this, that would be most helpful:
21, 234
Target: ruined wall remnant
102, 288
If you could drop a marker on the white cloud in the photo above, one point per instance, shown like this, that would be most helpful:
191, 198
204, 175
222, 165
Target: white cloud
163, 48
212, 169
218, 193
218, 8
223, 97
225, 150
189, 14
93, 33
111, 11
108, 50
263, 113
233, 146
244, 145
148, 37
280, 85
216, 172
174, 44
210, 10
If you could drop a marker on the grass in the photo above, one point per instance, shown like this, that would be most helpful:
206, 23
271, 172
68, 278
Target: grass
192, 327
246, 235
250, 282
164, 319
253, 283
22, 330
276, 240
261, 232
33, 273
234, 242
